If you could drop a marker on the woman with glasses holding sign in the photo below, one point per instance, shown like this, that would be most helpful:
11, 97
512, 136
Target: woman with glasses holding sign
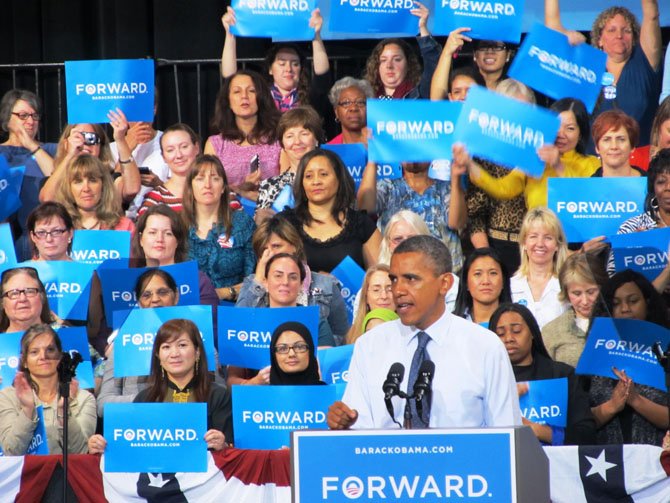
24, 301
34, 398
179, 375
292, 356
349, 99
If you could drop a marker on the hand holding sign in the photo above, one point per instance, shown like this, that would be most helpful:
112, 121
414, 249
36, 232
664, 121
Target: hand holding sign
422, 12
228, 19
215, 439
316, 23
118, 121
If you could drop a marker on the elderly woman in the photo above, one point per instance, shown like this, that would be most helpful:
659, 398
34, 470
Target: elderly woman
349, 99
375, 294
179, 375
24, 300
292, 356
37, 385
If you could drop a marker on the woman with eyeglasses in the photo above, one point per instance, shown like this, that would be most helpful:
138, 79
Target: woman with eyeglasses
37, 385
24, 301
20, 116
349, 99
292, 356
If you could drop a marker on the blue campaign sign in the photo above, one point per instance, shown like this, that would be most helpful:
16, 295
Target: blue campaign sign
548, 63
96, 247
155, 437
10, 350
75, 339
67, 285
365, 17
645, 252
505, 130
334, 364
118, 290
285, 199
11, 180
265, 416
355, 157
546, 401
248, 206
7, 251
281, 19
411, 130
95, 87
627, 345
404, 465
488, 19
590, 207
245, 332
351, 276
39, 445
135, 340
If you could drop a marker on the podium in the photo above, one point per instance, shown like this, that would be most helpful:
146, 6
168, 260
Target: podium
432, 465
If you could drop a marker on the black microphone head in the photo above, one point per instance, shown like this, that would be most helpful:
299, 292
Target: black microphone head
427, 369
397, 371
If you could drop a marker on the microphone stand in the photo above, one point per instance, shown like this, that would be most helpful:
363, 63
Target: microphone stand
407, 422
66, 372
663, 358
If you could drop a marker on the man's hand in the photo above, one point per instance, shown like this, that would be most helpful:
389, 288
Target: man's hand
340, 416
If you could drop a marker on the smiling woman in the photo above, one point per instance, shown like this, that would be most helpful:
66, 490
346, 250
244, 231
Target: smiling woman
292, 357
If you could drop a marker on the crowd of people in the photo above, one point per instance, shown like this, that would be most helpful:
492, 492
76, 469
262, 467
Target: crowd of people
473, 272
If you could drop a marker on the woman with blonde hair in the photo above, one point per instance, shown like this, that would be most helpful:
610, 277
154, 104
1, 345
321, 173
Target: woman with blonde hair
543, 250
375, 293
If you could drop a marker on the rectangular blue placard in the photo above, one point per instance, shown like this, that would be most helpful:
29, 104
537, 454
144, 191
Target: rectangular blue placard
39, 445
505, 130
245, 332
97, 247
7, 251
372, 16
155, 437
590, 207
404, 466
135, 340
411, 130
282, 19
118, 289
548, 63
75, 339
334, 364
95, 87
67, 285
645, 252
355, 157
546, 401
10, 349
627, 345
351, 276
488, 19
11, 180
265, 416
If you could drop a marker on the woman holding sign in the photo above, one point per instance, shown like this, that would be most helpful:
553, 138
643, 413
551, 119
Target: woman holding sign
179, 375
34, 401
518, 330
292, 356
24, 300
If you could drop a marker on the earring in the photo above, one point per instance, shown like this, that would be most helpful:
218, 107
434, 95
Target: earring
653, 202
163, 371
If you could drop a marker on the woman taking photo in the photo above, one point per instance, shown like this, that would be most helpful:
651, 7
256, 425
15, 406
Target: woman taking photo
349, 96
292, 356
245, 120
24, 301
36, 385
179, 375
375, 294
518, 330
219, 239
324, 216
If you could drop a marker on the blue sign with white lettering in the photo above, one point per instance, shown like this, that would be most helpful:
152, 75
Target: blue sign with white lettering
355, 157
39, 445
645, 252
11, 180
334, 364
10, 349
505, 130
285, 199
545, 401
372, 16
97, 247
67, 285
411, 130
95, 87
488, 19
351, 275
135, 340
155, 437
265, 416
118, 290
285, 19
627, 345
245, 332
590, 207
548, 63
404, 465
76, 339
7, 251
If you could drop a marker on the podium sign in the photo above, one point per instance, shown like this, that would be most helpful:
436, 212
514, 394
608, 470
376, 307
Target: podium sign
419, 465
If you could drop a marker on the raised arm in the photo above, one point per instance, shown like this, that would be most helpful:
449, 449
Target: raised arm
229, 54
552, 16
129, 184
439, 84
458, 213
367, 190
319, 55
650, 33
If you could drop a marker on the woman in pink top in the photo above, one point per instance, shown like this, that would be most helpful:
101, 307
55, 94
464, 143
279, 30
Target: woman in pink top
245, 118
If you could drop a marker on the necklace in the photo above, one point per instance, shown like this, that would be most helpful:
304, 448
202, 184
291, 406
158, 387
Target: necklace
96, 225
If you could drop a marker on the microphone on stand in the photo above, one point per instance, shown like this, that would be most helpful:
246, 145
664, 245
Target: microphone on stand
423, 387
391, 386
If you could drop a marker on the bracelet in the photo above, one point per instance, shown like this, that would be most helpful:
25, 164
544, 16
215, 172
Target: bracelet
233, 293
130, 159
39, 147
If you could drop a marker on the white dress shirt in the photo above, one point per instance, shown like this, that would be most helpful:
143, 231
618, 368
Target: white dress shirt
548, 308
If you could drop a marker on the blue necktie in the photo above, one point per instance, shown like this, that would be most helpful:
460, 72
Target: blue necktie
419, 356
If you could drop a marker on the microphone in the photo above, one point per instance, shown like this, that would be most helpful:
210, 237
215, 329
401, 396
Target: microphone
423, 386
391, 386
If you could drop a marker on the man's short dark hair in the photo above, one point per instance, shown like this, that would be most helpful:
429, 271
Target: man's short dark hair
434, 249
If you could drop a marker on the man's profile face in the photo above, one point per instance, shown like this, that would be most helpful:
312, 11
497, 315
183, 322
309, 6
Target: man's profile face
417, 290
